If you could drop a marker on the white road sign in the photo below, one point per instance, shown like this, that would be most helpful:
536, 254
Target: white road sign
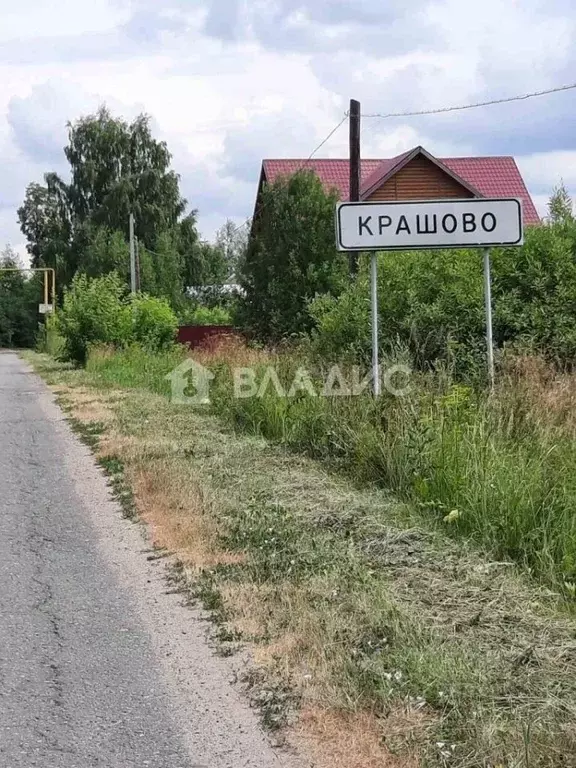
407, 225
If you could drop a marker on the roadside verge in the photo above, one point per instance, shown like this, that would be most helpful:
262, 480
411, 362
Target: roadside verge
373, 639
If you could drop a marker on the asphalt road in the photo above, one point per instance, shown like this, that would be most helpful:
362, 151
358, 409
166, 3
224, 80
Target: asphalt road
98, 665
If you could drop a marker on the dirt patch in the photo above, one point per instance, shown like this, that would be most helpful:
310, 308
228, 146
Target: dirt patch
178, 514
359, 740
87, 406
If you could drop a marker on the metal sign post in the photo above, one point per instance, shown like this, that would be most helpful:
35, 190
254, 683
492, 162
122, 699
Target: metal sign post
488, 303
427, 224
374, 301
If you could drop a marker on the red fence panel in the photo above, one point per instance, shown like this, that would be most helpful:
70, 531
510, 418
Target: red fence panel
204, 335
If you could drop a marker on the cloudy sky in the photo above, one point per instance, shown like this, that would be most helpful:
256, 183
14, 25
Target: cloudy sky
228, 82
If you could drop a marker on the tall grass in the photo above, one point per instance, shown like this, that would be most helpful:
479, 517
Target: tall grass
498, 468
482, 466
134, 367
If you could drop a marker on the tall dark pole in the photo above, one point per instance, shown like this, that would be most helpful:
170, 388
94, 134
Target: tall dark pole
354, 169
137, 249
132, 256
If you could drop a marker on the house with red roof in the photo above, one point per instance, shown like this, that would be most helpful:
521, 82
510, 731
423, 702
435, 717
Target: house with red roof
415, 175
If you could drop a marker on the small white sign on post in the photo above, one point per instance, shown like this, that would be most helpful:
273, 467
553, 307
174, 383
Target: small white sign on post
423, 224
407, 225
45, 309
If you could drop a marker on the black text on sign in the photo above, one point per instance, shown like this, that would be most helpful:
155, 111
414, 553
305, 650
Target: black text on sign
428, 224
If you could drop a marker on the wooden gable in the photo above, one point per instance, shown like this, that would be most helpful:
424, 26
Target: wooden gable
420, 179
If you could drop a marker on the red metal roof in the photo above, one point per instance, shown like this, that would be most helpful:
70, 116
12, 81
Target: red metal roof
332, 173
491, 176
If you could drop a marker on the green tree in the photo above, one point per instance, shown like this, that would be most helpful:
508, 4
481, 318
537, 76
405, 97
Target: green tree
189, 249
105, 250
45, 222
291, 257
162, 273
116, 168
560, 206
202, 262
20, 295
232, 242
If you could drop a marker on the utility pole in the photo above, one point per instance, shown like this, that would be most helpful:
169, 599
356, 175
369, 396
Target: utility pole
355, 176
137, 259
354, 170
132, 256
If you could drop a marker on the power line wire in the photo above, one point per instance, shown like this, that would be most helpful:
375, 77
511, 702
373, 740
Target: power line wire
319, 147
521, 97
422, 112
441, 110
305, 163
417, 113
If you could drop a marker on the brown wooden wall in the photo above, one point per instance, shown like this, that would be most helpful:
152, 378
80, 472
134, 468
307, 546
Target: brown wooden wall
420, 180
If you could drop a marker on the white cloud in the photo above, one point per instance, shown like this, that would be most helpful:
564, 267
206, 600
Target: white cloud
544, 171
32, 19
548, 169
228, 82
10, 233
38, 120
322, 25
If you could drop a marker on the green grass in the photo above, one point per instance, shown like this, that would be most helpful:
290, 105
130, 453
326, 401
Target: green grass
365, 608
134, 367
482, 467
476, 464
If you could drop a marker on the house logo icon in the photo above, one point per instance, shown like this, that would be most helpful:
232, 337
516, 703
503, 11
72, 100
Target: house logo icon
190, 376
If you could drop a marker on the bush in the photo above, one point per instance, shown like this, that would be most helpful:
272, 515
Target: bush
432, 303
48, 339
342, 326
534, 290
93, 311
207, 316
154, 322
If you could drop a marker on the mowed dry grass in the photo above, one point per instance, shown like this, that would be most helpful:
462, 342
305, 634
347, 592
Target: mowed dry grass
371, 638
180, 516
